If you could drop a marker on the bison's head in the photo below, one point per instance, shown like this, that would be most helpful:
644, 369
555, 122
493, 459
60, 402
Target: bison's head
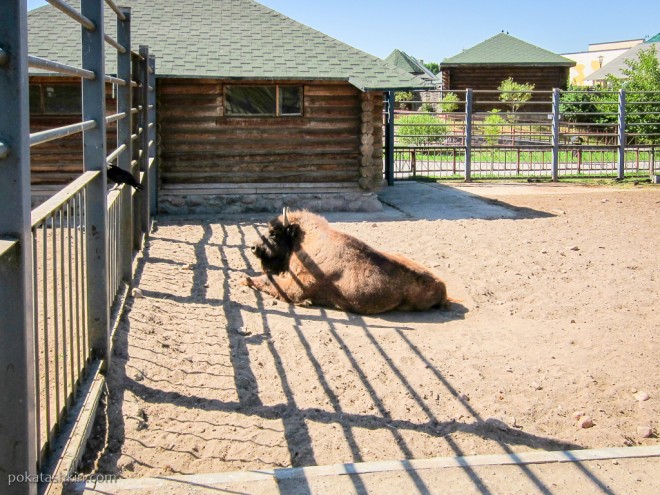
274, 249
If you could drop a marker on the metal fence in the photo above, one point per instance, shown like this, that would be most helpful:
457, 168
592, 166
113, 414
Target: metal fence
66, 263
527, 134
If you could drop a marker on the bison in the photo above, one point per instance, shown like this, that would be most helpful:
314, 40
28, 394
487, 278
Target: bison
308, 262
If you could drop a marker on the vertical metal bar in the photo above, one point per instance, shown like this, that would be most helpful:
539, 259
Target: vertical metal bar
44, 280
621, 128
389, 139
35, 336
17, 431
124, 130
84, 278
144, 139
63, 304
413, 162
70, 290
468, 135
56, 320
62, 290
151, 103
555, 134
112, 232
77, 231
94, 153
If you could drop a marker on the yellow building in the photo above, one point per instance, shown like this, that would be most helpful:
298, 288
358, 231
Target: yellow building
598, 55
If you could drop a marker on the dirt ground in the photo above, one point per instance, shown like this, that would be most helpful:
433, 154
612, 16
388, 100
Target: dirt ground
554, 345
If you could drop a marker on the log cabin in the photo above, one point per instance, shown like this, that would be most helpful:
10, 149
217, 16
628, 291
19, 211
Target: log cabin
487, 64
255, 110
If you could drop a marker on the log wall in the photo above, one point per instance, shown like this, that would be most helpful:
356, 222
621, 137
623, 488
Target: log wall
199, 144
489, 78
60, 161
337, 140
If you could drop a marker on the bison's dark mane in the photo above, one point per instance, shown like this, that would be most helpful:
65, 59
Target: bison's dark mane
280, 243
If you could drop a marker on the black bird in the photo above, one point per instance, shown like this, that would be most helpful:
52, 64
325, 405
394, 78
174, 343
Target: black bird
121, 176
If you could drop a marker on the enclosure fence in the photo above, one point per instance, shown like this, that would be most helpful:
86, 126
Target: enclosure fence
523, 134
66, 265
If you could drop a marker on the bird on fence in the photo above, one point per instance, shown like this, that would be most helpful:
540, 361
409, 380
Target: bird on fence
121, 176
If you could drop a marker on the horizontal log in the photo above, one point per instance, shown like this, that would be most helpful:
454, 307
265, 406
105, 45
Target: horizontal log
50, 161
276, 177
59, 179
166, 89
185, 160
326, 90
258, 122
319, 112
232, 166
168, 101
183, 111
58, 168
274, 147
333, 101
224, 128
248, 137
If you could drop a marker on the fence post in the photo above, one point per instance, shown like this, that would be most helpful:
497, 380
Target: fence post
468, 135
124, 129
94, 158
18, 442
621, 134
389, 139
151, 101
555, 134
144, 138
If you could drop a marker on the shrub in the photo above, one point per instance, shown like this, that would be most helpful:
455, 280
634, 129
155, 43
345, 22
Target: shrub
403, 98
494, 125
449, 103
578, 100
420, 130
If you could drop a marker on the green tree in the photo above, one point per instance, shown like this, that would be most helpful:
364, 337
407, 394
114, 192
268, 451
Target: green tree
432, 66
587, 105
515, 94
641, 76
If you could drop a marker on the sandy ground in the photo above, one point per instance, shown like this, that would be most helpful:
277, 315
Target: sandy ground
559, 321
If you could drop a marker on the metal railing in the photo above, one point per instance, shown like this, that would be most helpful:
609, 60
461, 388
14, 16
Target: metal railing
497, 134
64, 264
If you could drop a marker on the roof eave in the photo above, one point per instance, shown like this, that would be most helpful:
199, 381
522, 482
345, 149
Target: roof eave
505, 64
398, 86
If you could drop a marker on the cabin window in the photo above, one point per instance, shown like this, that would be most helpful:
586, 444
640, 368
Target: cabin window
273, 100
55, 99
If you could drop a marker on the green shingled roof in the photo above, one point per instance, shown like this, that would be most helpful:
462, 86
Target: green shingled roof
238, 39
504, 49
403, 61
410, 64
654, 39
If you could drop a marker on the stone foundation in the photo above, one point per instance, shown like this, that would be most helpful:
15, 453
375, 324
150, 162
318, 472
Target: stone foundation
355, 201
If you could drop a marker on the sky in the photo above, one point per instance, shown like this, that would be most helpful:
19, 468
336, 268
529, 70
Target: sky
431, 30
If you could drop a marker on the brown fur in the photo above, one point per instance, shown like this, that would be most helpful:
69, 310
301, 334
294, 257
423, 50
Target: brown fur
330, 268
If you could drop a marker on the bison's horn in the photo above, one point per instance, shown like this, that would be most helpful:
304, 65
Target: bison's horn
286, 220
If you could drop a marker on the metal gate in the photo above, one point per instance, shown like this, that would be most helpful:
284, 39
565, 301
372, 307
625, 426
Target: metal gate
65, 264
529, 134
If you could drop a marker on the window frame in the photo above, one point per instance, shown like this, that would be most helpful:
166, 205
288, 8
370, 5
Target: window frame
42, 109
278, 101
